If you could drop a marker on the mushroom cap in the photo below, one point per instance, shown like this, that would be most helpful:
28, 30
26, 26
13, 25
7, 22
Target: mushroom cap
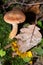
14, 16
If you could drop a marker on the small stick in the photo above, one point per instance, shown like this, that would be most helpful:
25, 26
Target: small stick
10, 3
8, 46
33, 30
14, 54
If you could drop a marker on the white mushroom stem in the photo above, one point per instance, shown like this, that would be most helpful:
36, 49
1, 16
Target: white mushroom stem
14, 31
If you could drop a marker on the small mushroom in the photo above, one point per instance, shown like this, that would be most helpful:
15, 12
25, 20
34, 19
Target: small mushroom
14, 17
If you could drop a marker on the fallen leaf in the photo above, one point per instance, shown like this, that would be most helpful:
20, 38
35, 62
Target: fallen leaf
35, 9
25, 42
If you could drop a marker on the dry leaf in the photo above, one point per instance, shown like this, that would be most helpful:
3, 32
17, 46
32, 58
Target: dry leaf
24, 38
35, 9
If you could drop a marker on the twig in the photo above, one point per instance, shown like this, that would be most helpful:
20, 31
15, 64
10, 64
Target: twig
10, 3
14, 54
35, 26
8, 46
40, 17
33, 30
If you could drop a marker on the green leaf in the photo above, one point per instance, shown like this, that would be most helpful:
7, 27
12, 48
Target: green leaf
41, 43
2, 53
39, 23
38, 50
27, 59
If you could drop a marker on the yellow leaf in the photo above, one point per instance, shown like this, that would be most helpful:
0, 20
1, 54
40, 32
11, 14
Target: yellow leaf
29, 54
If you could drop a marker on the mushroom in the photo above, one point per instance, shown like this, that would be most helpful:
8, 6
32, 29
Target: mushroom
14, 17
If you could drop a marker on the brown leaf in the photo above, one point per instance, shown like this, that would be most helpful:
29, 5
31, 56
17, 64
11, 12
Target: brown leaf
35, 9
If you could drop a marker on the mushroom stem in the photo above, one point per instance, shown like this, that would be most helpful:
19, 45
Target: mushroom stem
14, 31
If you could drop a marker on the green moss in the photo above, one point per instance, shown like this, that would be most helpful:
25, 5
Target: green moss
4, 31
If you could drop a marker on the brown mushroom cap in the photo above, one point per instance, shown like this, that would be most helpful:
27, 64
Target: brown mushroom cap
14, 16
